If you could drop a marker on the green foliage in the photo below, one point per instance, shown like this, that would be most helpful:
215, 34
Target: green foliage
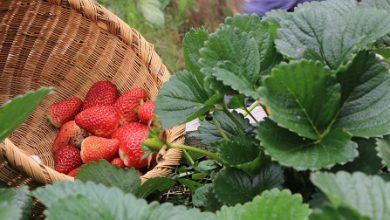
336, 213
271, 205
15, 112
232, 186
367, 194
109, 175
15, 203
383, 149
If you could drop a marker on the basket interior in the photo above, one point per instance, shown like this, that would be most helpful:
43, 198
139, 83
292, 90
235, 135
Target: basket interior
42, 44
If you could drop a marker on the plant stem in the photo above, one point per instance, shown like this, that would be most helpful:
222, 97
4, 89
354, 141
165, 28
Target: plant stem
219, 128
188, 158
234, 119
251, 108
195, 149
250, 114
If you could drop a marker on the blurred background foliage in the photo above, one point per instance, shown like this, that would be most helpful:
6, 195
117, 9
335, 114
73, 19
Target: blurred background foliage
165, 22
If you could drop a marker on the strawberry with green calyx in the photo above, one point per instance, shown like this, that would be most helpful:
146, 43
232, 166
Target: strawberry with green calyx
100, 121
101, 93
97, 148
126, 105
69, 134
146, 112
67, 158
61, 112
118, 161
131, 137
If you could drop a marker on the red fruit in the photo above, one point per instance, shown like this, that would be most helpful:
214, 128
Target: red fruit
69, 134
127, 104
101, 93
146, 112
61, 112
67, 158
131, 137
101, 121
97, 148
119, 162
74, 172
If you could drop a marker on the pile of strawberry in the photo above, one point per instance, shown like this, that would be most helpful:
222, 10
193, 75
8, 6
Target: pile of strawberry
104, 126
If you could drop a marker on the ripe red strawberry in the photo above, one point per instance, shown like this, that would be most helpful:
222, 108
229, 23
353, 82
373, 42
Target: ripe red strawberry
67, 158
69, 134
131, 137
119, 162
74, 172
101, 121
127, 104
61, 112
101, 93
97, 148
146, 112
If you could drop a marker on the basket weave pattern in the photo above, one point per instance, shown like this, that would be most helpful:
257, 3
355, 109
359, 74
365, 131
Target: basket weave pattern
68, 44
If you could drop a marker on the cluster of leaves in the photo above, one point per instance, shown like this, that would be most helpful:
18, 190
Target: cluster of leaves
327, 94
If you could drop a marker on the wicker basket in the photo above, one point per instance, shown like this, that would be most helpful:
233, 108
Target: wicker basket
68, 44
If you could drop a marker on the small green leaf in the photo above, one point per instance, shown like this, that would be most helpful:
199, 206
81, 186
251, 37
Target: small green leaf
205, 197
367, 161
209, 134
155, 184
336, 213
291, 150
233, 58
383, 149
109, 175
16, 111
182, 99
237, 101
232, 186
271, 205
366, 97
240, 152
261, 32
192, 43
15, 203
368, 194
286, 91
193, 185
151, 10
207, 166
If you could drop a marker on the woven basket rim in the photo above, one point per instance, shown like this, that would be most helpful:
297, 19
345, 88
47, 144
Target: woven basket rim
109, 22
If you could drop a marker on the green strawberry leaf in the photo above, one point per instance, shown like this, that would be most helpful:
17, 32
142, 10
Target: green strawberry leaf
286, 91
240, 152
114, 203
367, 161
183, 99
209, 134
291, 150
336, 213
382, 5
368, 194
204, 197
192, 43
270, 205
237, 101
14, 112
232, 57
152, 11
261, 32
327, 32
207, 166
15, 203
232, 186
192, 185
365, 88
383, 149
155, 184
109, 175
